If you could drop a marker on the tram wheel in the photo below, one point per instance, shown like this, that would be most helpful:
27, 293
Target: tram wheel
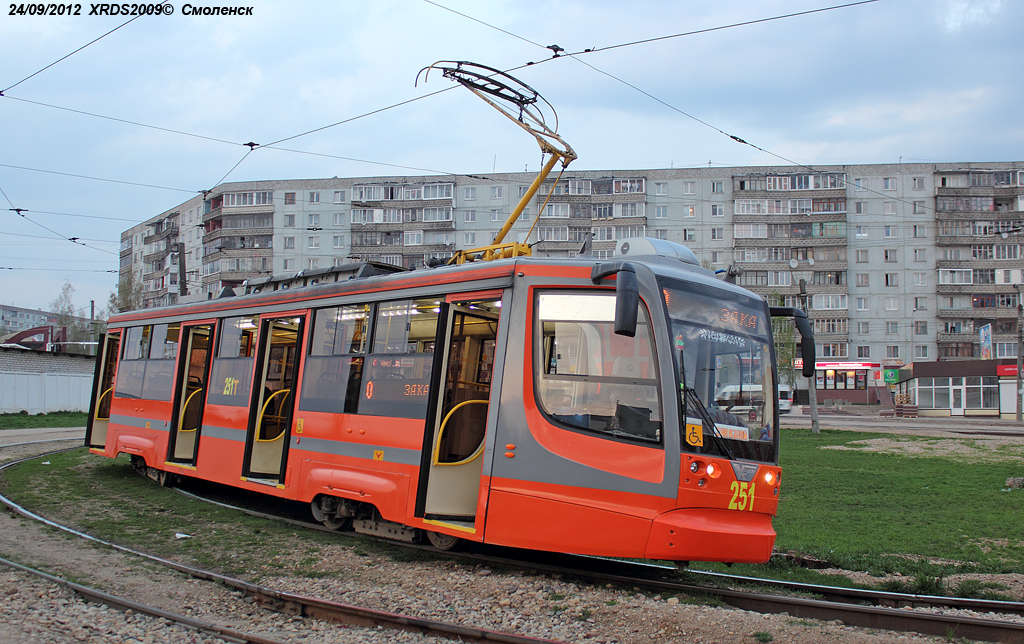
337, 523
445, 542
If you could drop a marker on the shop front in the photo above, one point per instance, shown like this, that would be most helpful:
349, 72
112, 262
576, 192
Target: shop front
960, 387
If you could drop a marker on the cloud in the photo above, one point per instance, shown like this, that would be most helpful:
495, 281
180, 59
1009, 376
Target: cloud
957, 14
928, 109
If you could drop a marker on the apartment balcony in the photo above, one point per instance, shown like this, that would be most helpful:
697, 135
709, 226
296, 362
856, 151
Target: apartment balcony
957, 337
967, 289
213, 214
157, 256
972, 314
146, 277
167, 232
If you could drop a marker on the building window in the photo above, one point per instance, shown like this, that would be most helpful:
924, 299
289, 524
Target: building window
413, 238
892, 351
920, 327
661, 212
862, 279
717, 210
860, 207
892, 279
661, 234
313, 242
891, 256
863, 352
470, 216
689, 234
339, 196
288, 265
920, 351
289, 198
862, 257
313, 263
892, 328
339, 241
860, 184
289, 242
861, 231
890, 232
689, 187
314, 197
919, 209
717, 234
889, 183
289, 221
920, 230
918, 183
627, 186
863, 328
313, 220
920, 279
689, 211
717, 187
496, 192
892, 304
661, 188
862, 304
716, 257
469, 238
470, 194
495, 215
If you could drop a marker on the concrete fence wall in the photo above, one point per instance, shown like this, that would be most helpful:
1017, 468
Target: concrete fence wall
40, 393
39, 382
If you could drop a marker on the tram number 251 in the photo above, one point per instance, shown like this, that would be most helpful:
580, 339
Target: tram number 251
742, 496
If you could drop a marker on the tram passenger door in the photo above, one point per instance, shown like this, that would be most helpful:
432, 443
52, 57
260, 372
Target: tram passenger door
457, 437
273, 399
190, 397
102, 391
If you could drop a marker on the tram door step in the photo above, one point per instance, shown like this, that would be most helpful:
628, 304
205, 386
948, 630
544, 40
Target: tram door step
267, 482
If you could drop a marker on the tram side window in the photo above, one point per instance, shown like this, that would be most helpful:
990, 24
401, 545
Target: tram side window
147, 365
397, 373
591, 379
132, 369
231, 377
333, 375
158, 383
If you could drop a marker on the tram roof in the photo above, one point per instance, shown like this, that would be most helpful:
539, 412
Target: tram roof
664, 259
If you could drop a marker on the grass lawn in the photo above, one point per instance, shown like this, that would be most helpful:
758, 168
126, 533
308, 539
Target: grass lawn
55, 419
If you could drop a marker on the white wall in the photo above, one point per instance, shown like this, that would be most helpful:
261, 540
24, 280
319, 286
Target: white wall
40, 393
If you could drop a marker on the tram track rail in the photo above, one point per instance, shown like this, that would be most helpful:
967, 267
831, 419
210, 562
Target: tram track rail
854, 607
265, 597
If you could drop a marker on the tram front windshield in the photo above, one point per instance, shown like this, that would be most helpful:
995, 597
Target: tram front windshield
723, 351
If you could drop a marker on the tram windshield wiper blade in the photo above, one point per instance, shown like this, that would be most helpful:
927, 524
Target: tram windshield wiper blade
705, 416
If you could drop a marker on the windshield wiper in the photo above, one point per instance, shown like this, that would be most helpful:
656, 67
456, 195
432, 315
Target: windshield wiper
705, 416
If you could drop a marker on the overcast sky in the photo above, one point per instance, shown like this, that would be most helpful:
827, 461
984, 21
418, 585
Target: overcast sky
917, 80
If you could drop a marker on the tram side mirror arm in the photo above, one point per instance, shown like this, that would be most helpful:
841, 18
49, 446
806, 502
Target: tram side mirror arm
803, 325
627, 294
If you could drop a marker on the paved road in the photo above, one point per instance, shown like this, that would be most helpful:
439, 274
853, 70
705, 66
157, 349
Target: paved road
40, 434
875, 423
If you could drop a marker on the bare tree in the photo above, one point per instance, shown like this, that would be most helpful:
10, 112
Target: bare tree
63, 308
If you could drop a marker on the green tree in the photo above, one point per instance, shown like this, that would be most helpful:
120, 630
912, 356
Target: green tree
128, 296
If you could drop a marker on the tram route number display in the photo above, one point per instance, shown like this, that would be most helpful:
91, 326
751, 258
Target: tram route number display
742, 496
738, 319
395, 389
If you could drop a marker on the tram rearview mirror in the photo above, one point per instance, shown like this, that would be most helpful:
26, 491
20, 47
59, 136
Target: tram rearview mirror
627, 300
627, 294
803, 325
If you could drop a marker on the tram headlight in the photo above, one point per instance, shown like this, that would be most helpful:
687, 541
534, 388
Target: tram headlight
713, 471
769, 477
695, 466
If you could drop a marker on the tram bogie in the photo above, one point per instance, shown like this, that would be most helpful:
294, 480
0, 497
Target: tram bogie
560, 405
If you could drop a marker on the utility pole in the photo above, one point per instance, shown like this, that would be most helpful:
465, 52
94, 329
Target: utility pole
1020, 354
812, 391
92, 325
182, 275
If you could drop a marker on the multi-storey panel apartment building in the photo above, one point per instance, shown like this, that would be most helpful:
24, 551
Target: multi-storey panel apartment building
895, 263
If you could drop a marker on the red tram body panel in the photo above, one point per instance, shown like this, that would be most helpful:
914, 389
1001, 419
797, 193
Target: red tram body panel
498, 402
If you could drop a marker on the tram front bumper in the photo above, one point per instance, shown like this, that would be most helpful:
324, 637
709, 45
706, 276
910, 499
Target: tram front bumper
711, 534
